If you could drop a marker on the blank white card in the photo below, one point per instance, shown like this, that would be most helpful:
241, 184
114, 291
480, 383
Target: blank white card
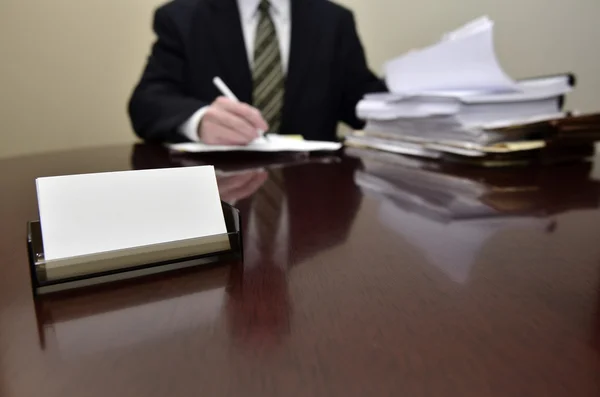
93, 213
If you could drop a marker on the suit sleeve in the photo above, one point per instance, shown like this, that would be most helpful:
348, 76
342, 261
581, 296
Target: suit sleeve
358, 79
160, 104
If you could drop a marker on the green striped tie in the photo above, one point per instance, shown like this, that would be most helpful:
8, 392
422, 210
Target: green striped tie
267, 74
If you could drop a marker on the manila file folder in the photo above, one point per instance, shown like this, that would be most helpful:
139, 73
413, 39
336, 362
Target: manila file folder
104, 227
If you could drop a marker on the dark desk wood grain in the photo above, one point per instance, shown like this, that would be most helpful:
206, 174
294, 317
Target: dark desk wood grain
370, 300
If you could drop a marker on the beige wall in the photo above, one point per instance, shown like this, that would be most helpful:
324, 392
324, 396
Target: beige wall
67, 67
532, 36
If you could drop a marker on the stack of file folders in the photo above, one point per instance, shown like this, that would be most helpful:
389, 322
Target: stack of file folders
452, 101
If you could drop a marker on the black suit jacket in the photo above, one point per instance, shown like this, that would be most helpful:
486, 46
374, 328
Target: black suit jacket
200, 39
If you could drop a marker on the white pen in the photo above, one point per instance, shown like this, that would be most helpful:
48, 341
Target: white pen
220, 84
224, 89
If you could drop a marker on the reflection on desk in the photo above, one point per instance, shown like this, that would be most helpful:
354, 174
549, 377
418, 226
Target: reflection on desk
258, 307
450, 211
352, 309
310, 186
132, 313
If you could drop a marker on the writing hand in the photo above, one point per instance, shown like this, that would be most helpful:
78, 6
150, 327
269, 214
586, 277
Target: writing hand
228, 122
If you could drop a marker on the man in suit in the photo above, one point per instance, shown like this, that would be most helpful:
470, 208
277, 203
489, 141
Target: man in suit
296, 66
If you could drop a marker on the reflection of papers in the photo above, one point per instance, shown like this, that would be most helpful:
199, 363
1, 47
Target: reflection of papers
136, 325
274, 143
441, 215
450, 246
418, 177
443, 204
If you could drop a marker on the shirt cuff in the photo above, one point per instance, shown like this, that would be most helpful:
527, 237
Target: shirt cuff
189, 128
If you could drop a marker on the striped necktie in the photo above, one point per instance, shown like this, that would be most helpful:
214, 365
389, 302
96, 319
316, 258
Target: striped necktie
267, 74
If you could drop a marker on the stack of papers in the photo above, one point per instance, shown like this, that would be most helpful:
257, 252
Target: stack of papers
455, 97
468, 112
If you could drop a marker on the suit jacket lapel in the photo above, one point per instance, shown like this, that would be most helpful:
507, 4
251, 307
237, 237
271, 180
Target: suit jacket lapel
301, 49
227, 39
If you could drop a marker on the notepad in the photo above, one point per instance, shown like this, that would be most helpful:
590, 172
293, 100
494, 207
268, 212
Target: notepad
274, 143
104, 221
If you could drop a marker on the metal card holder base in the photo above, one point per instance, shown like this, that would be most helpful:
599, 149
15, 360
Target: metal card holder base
42, 285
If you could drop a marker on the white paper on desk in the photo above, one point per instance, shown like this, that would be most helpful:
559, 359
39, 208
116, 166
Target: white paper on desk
463, 60
274, 143
95, 213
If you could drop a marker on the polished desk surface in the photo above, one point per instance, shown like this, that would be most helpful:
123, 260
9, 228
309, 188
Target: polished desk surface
368, 301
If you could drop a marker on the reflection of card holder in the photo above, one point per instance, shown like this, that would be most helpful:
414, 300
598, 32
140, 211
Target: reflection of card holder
188, 298
45, 280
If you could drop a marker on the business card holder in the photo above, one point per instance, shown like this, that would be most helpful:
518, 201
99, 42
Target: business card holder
45, 280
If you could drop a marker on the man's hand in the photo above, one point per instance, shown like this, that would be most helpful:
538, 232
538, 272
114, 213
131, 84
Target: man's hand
240, 186
227, 122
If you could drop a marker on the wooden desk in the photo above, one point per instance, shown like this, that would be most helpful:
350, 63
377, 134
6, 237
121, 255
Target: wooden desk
363, 304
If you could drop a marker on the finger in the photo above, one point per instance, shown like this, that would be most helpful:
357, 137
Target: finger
216, 134
231, 121
245, 111
250, 187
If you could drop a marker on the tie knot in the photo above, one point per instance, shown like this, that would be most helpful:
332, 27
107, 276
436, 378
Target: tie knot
264, 6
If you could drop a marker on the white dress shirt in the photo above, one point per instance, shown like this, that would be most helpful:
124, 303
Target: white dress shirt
249, 16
